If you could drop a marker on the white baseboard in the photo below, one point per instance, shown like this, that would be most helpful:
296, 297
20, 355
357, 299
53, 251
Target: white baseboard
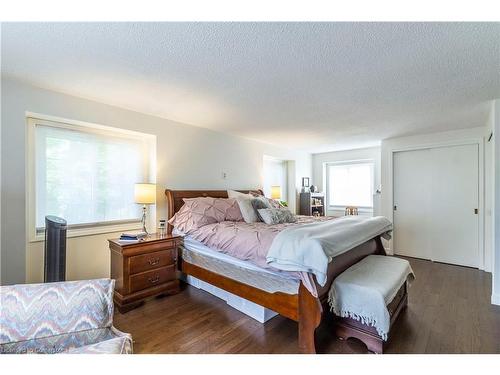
495, 299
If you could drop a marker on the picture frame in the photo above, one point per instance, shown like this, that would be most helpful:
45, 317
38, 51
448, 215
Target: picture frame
305, 181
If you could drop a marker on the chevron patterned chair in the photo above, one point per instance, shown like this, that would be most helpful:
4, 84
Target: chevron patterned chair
63, 317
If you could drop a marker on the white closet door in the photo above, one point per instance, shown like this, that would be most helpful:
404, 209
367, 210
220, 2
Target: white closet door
411, 203
455, 197
435, 193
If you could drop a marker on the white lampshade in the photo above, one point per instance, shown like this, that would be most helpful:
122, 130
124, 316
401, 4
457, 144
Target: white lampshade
276, 192
145, 193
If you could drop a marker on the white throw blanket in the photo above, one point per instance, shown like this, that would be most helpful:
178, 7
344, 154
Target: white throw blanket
364, 290
310, 247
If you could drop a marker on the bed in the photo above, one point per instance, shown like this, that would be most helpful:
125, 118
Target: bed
302, 306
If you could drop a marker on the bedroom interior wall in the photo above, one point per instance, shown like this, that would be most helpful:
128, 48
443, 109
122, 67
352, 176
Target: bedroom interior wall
1, 186
318, 172
489, 190
187, 157
495, 123
437, 139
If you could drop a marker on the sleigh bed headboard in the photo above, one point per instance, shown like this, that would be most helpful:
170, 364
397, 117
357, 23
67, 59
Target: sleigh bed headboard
175, 199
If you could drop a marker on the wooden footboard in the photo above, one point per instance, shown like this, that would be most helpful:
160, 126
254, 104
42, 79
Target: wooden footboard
303, 307
310, 316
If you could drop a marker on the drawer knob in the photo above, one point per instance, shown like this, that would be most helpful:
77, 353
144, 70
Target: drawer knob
154, 261
154, 280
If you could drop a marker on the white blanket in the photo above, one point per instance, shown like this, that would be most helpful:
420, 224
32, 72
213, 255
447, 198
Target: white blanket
310, 247
364, 290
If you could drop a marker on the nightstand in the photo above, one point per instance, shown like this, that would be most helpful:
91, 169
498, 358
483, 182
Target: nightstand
144, 269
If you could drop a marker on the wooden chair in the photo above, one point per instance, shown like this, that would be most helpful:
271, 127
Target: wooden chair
351, 210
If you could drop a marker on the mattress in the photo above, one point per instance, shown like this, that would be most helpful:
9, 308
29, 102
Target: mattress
271, 281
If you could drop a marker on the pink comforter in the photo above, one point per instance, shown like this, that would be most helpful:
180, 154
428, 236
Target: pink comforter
250, 242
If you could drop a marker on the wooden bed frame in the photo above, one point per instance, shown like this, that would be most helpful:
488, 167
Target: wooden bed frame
303, 307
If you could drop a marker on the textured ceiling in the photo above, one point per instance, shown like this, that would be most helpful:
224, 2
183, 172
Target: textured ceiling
314, 86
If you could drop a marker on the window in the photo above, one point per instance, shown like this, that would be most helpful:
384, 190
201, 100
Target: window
350, 184
85, 174
275, 174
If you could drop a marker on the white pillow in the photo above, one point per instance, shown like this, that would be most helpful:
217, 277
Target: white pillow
245, 203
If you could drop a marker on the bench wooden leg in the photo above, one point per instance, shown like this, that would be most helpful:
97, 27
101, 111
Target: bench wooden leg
376, 347
347, 327
373, 342
310, 312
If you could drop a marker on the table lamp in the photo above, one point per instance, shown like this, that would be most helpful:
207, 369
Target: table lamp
275, 192
145, 194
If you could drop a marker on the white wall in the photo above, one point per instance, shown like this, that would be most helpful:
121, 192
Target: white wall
188, 157
495, 122
428, 140
318, 172
489, 192
1, 188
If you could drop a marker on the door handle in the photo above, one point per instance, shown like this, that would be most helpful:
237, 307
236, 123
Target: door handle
395, 208
476, 211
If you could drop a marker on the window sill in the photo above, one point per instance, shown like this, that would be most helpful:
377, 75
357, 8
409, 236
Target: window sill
92, 231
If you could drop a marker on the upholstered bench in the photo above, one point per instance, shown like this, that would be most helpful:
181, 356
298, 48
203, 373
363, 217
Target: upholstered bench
368, 297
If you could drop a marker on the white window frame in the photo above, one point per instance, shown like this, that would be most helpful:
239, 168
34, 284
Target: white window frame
77, 230
367, 209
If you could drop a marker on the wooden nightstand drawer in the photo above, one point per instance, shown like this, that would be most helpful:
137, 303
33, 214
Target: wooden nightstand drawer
145, 262
152, 278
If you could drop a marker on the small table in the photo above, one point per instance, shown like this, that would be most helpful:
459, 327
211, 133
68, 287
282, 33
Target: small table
144, 269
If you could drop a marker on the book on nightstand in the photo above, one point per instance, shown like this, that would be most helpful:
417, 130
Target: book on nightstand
132, 237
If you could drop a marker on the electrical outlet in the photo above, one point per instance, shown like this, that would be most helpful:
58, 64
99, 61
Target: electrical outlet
224, 175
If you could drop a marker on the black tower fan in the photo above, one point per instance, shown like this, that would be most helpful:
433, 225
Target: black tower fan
55, 249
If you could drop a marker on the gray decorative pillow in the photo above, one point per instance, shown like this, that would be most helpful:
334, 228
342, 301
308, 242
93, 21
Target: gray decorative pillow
276, 216
260, 202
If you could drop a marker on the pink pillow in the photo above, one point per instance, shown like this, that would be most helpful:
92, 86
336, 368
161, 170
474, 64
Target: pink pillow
197, 212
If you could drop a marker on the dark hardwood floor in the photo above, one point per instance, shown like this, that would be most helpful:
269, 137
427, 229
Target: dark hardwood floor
449, 311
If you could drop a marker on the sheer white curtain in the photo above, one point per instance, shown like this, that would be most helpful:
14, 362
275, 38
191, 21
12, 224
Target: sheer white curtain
275, 174
87, 177
350, 184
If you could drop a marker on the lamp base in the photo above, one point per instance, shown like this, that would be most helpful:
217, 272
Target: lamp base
143, 221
